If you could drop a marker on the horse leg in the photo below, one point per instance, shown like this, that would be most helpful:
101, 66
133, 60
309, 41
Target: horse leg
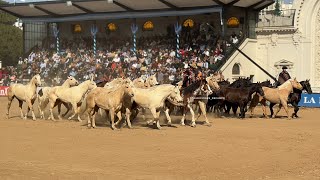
155, 115
119, 116
234, 109
78, 110
128, 115
158, 120
271, 108
296, 109
30, 107
112, 113
167, 113
40, 100
10, 98
203, 110
68, 108
278, 110
90, 113
59, 110
52, 100
93, 117
184, 111
264, 109
20, 107
253, 103
75, 108
285, 106
193, 121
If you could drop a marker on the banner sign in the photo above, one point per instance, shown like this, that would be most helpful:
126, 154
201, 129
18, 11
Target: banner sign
310, 100
4, 91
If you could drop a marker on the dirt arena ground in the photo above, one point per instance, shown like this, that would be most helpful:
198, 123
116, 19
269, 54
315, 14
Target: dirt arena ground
253, 148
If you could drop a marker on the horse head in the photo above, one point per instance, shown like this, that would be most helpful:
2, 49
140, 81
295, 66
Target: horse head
72, 81
91, 84
296, 84
257, 87
206, 89
128, 90
266, 83
152, 80
212, 83
175, 94
36, 80
306, 86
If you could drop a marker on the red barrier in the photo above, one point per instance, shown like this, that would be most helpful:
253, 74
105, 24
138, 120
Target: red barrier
3, 91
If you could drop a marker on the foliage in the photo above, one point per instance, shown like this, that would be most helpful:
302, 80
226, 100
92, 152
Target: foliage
11, 39
277, 10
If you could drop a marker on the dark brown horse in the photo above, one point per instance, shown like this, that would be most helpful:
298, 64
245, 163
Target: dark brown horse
242, 96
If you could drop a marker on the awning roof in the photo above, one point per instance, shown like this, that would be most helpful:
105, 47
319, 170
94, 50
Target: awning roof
60, 9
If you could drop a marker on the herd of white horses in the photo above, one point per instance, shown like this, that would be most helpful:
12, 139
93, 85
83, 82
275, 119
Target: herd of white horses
119, 98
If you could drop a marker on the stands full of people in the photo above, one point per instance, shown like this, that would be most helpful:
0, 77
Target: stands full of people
115, 58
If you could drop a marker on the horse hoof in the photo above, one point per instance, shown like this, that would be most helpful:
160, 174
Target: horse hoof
114, 128
207, 124
193, 125
34, 119
182, 124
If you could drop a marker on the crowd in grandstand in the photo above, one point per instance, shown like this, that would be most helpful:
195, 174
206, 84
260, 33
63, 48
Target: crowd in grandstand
115, 58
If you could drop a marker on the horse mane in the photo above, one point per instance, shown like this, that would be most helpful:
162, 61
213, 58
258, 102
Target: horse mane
285, 84
194, 86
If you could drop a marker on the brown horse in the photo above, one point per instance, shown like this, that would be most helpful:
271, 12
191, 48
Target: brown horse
279, 96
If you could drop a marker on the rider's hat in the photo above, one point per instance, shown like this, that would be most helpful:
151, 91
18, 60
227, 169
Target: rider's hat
284, 67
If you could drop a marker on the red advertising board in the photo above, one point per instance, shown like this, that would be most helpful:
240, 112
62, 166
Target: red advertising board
3, 90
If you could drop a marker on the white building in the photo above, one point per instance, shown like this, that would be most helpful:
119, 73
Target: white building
296, 46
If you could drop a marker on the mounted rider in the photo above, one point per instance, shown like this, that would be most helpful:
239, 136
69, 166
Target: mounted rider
283, 76
191, 75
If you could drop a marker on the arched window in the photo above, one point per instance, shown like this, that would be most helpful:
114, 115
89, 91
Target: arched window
188, 23
112, 27
236, 69
148, 26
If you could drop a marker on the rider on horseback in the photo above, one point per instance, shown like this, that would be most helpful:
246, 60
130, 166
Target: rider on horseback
283, 76
191, 74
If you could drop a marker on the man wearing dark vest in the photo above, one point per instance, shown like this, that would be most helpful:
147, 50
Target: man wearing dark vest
283, 76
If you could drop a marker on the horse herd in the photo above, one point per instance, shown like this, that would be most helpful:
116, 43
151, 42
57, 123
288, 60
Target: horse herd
123, 97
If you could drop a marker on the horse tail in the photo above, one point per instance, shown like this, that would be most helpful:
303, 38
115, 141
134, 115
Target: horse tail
83, 106
10, 93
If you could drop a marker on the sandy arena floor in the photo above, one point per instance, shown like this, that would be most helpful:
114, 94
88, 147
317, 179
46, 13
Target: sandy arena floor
253, 148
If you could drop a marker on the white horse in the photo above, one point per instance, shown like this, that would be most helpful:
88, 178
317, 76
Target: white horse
73, 95
43, 98
27, 93
153, 98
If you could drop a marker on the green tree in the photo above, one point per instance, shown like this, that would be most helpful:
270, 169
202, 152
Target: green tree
11, 39
277, 10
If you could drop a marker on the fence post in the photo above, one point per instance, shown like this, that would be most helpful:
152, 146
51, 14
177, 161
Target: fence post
56, 35
134, 29
177, 29
94, 31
